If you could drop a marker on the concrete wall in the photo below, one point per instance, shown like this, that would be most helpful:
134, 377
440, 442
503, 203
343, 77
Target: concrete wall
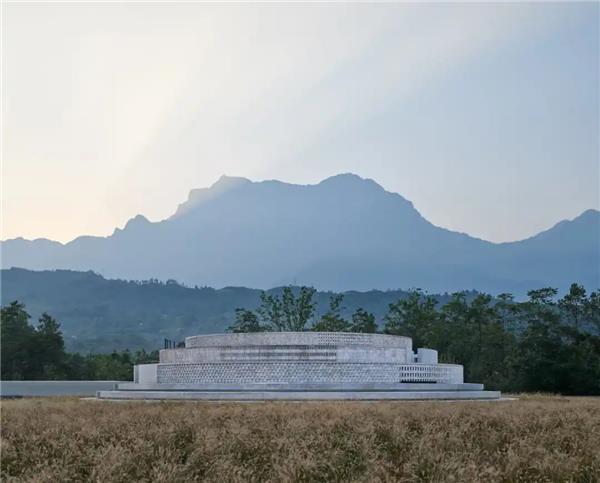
54, 388
306, 372
145, 373
285, 353
299, 338
427, 356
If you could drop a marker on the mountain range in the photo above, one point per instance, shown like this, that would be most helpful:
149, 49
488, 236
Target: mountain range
344, 233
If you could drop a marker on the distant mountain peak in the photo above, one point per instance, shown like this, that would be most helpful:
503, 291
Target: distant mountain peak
137, 220
349, 180
227, 182
588, 217
343, 177
132, 224
590, 213
197, 196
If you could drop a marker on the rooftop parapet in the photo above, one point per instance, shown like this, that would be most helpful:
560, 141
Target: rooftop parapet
338, 339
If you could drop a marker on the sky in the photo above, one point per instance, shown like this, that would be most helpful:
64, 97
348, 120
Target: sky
485, 116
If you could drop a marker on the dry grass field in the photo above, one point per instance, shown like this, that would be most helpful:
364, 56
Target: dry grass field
537, 438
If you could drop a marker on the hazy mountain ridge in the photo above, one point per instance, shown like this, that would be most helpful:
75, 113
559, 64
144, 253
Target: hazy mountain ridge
343, 233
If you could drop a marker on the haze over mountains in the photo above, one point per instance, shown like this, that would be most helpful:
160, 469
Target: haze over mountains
345, 233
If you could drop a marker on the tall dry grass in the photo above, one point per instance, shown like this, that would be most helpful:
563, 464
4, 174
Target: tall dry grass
533, 439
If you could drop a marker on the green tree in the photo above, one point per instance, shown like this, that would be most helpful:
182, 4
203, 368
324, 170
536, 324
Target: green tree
246, 321
289, 312
117, 366
47, 352
541, 354
363, 321
16, 342
473, 334
555, 353
573, 305
332, 320
143, 357
481, 314
508, 312
540, 348
542, 298
270, 311
492, 345
592, 311
412, 317
31, 353
453, 335
77, 367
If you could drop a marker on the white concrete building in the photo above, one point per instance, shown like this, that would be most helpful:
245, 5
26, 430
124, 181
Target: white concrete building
298, 365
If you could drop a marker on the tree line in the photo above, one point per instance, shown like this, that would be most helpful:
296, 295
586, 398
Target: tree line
544, 343
540, 344
38, 352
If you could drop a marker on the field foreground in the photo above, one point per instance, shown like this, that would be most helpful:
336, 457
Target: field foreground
533, 439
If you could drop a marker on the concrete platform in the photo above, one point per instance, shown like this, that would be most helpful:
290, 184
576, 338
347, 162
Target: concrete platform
54, 388
298, 395
337, 387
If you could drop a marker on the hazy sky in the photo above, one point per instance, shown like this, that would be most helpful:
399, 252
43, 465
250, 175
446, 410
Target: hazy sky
485, 116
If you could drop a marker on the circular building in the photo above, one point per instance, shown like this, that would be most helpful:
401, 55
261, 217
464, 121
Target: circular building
298, 365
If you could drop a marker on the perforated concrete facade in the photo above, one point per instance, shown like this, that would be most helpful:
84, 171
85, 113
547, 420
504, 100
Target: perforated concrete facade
305, 372
273, 353
276, 364
341, 339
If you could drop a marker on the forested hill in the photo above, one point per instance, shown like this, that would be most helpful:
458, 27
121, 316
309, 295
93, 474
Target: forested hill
100, 315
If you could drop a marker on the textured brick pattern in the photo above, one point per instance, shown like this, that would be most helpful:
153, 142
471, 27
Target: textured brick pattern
305, 372
269, 353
